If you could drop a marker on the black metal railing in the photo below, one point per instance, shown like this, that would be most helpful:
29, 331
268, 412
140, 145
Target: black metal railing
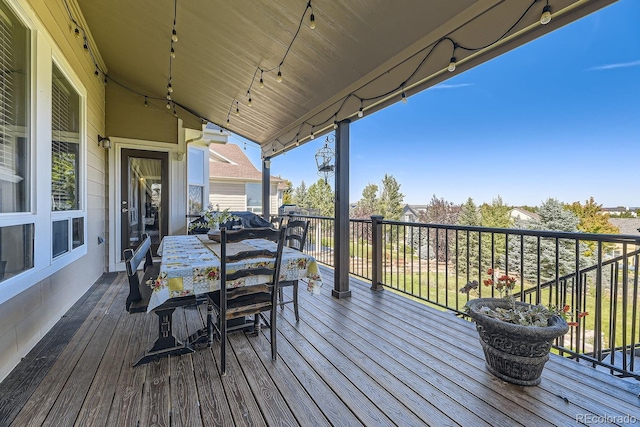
592, 273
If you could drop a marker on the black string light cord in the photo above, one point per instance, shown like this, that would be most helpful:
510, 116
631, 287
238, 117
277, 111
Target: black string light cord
317, 127
295, 141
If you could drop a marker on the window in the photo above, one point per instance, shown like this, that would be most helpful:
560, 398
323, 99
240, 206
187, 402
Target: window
65, 144
254, 198
15, 180
196, 181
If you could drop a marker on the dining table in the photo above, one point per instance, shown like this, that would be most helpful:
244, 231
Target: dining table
191, 266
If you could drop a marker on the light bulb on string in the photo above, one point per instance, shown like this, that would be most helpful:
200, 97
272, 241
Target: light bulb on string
312, 21
249, 95
227, 121
546, 15
105, 80
76, 32
311, 136
261, 81
360, 112
173, 53
335, 125
174, 36
170, 88
85, 46
297, 142
174, 111
146, 104
237, 109
452, 64
404, 97
96, 72
279, 77
168, 105
168, 96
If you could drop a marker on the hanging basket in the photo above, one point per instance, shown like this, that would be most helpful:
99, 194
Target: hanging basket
514, 353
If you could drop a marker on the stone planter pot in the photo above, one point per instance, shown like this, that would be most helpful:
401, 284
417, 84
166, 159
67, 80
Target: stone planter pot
514, 353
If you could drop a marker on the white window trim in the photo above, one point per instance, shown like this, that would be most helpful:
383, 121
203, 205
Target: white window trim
43, 53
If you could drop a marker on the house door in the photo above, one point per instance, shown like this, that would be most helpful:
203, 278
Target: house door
144, 197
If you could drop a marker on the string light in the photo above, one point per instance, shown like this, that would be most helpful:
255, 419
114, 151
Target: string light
170, 88
227, 121
237, 108
105, 80
545, 18
172, 54
168, 96
249, 95
546, 15
96, 72
311, 136
404, 97
335, 125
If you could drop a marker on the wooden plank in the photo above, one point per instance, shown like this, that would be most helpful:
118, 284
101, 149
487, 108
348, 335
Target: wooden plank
183, 396
99, 399
45, 395
302, 405
333, 407
67, 405
155, 397
214, 408
455, 364
23, 380
242, 403
403, 380
127, 401
273, 406
546, 394
357, 401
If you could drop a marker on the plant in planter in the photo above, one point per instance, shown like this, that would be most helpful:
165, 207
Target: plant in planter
212, 219
516, 337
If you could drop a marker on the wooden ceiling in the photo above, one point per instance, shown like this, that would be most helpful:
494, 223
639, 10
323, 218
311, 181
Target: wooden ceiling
368, 50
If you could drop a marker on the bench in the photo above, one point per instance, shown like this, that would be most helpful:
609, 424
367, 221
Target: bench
138, 301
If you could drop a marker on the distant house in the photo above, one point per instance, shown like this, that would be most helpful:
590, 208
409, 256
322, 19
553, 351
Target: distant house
411, 213
236, 184
629, 227
619, 210
523, 214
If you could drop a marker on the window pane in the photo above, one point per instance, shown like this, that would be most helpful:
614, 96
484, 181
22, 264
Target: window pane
195, 199
254, 195
78, 232
65, 155
16, 250
196, 166
14, 113
60, 237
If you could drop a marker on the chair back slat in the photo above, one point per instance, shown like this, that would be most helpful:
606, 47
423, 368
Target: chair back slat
133, 259
296, 235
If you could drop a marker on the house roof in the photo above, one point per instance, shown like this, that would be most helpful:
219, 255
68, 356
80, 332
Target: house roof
361, 54
629, 226
523, 212
228, 161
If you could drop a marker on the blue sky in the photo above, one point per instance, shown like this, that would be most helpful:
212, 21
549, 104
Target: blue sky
558, 117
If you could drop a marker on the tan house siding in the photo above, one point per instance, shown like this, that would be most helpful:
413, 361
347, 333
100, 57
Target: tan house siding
27, 317
227, 195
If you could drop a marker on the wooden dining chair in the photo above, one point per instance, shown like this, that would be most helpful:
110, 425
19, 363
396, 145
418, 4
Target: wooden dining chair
295, 237
232, 303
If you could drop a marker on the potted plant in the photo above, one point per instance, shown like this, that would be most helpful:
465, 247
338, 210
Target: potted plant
211, 220
516, 337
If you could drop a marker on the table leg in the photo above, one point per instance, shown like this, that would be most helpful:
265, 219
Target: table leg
166, 343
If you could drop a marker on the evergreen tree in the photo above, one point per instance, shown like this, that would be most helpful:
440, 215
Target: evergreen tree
321, 198
368, 204
300, 195
553, 217
494, 215
468, 247
391, 199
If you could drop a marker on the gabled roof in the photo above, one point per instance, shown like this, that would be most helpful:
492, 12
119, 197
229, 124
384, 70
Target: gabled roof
524, 214
229, 161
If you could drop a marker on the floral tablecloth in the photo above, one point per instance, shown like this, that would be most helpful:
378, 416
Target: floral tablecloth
190, 266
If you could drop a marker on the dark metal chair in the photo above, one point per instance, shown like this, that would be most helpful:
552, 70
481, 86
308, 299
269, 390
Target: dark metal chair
296, 238
233, 303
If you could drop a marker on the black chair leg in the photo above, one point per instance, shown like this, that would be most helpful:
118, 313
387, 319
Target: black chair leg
295, 300
274, 350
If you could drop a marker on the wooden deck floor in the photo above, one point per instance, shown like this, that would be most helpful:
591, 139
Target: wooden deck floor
374, 359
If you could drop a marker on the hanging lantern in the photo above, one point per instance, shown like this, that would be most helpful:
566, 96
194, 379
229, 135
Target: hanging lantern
325, 159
